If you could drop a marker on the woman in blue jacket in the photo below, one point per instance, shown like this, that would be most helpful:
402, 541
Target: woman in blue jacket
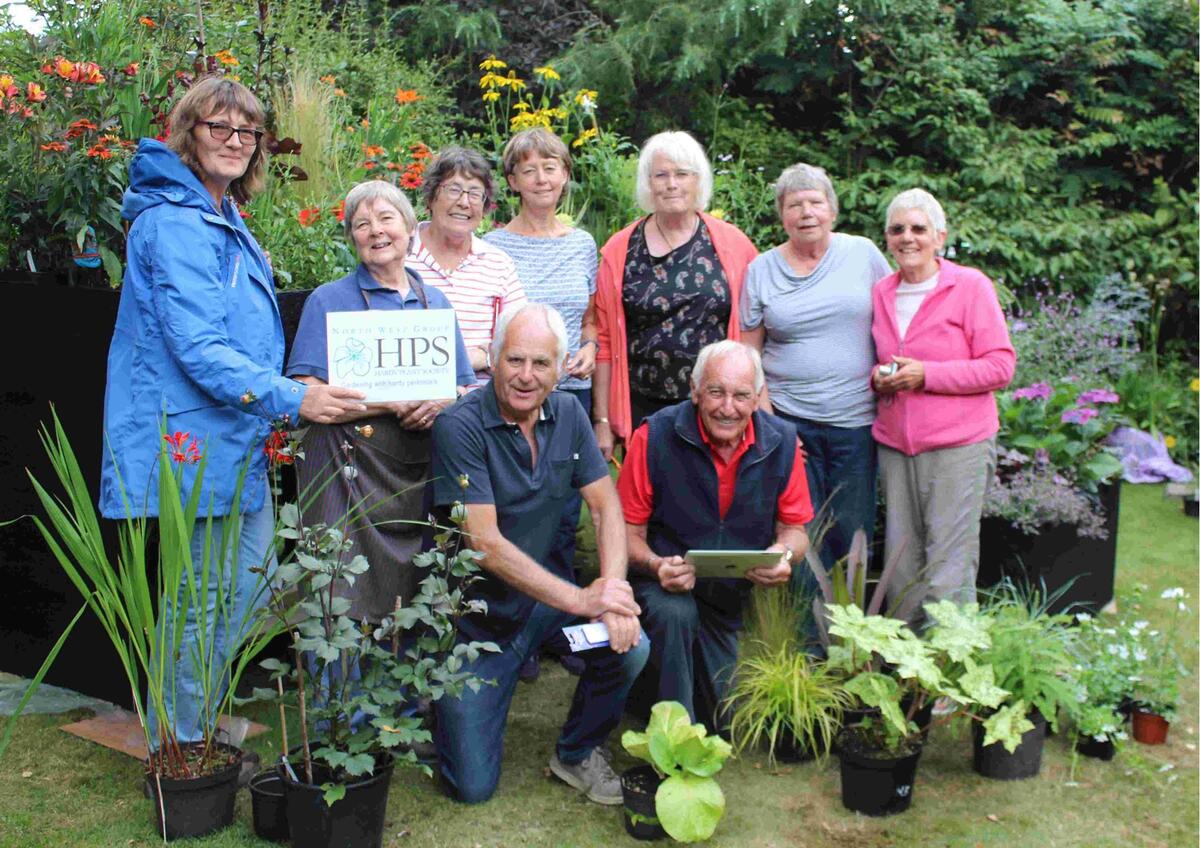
198, 348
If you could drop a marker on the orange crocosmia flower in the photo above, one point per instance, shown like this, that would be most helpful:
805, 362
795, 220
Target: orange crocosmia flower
147, 22
308, 217
131, 69
369, 165
337, 92
407, 95
226, 57
55, 147
364, 123
328, 79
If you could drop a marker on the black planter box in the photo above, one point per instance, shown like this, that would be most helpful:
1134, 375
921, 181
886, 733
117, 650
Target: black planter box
63, 364
1055, 557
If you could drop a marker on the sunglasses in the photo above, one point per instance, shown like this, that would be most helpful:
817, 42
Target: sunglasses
898, 229
221, 132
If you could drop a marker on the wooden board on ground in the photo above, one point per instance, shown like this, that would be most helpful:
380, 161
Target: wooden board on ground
121, 731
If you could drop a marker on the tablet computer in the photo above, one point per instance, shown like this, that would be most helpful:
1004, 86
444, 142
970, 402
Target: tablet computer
730, 563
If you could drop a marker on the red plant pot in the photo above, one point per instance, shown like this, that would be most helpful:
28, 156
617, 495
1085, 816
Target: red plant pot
1150, 728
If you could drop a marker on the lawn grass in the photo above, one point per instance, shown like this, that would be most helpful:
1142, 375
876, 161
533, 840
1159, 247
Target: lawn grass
57, 790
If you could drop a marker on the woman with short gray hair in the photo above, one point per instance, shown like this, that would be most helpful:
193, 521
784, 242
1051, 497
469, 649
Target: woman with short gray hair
668, 285
807, 308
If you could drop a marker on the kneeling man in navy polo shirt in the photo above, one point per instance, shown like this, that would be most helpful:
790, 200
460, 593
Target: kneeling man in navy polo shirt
710, 473
512, 452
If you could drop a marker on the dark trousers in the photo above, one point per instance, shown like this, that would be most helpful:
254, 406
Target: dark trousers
693, 648
470, 729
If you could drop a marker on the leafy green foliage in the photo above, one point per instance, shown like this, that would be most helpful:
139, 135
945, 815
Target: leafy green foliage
689, 802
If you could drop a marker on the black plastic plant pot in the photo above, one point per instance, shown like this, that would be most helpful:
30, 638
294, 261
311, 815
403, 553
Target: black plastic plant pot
638, 787
354, 821
789, 749
268, 803
996, 762
874, 783
1090, 746
195, 806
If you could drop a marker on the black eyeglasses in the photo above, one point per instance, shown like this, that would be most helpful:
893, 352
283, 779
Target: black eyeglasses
898, 229
221, 132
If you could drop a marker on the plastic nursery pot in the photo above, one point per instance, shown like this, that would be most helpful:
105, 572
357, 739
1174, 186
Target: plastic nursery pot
996, 762
196, 806
875, 783
789, 749
1090, 746
354, 821
268, 803
1149, 728
638, 787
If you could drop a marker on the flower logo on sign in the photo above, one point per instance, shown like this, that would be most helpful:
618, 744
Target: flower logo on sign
352, 358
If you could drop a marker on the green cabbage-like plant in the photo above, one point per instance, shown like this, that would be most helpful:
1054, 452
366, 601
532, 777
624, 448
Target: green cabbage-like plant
689, 802
897, 672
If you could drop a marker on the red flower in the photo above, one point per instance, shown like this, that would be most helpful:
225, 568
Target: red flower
131, 69
7, 87
34, 93
100, 149
182, 447
368, 165
55, 147
244, 214
277, 449
78, 128
308, 217
148, 23
64, 67
339, 211
87, 73
47, 68
410, 180
420, 151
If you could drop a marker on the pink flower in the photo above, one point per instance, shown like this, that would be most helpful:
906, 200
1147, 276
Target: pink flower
1098, 396
1079, 415
1038, 391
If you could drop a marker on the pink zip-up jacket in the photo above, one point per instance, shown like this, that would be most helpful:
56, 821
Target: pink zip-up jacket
960, 336
735, 252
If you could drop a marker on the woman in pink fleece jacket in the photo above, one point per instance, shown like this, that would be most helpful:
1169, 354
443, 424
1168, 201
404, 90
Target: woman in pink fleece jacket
943, 349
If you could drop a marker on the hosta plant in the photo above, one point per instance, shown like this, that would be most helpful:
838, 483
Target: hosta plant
689, 803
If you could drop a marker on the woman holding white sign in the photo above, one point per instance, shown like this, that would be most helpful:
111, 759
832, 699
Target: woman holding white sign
387, 446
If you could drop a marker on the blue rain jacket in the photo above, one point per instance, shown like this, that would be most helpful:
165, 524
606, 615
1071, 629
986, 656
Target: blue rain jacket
197, 329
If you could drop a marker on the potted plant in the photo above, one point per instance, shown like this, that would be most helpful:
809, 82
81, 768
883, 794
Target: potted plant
354, 685
675, 793
890, 668
1102, 671
1154, 680
1031, 657
193, 784
788, 700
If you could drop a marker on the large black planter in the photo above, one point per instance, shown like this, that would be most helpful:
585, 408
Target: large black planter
1025, 761
354, 821
196, 806
65, 366
1054, 557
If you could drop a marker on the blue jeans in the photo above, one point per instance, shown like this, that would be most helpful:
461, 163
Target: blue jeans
228, 610
470, 729
841, 470
561, 559
693, 648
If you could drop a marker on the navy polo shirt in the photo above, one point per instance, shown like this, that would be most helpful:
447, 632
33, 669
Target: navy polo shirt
308, 357
479, 458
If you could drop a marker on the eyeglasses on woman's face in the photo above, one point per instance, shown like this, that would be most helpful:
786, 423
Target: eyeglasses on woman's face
453, 192
898, 229
248, 136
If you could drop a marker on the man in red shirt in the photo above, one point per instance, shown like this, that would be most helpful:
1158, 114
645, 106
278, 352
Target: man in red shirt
715, 473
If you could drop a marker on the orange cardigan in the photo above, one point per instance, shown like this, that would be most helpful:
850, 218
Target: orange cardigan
735, 253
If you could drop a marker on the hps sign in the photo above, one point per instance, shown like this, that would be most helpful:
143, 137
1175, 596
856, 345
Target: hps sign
393, 354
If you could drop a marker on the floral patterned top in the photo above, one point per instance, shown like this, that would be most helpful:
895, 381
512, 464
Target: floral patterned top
674, 306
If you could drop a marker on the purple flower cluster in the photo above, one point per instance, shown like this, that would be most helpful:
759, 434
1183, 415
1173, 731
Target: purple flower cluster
1079, 415
1038, 391
1098, 396
1037, 496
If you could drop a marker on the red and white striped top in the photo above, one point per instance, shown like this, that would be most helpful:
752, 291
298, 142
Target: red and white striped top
483, 285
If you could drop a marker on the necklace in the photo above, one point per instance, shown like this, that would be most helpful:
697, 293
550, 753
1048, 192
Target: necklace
671, 247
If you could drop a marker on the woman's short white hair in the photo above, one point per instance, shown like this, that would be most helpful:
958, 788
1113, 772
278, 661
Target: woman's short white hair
802, 177
721, 348
370, 191
922, 201
685, 152
553, 320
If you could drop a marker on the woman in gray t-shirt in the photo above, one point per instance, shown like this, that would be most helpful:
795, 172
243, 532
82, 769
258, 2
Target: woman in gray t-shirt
807, 306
